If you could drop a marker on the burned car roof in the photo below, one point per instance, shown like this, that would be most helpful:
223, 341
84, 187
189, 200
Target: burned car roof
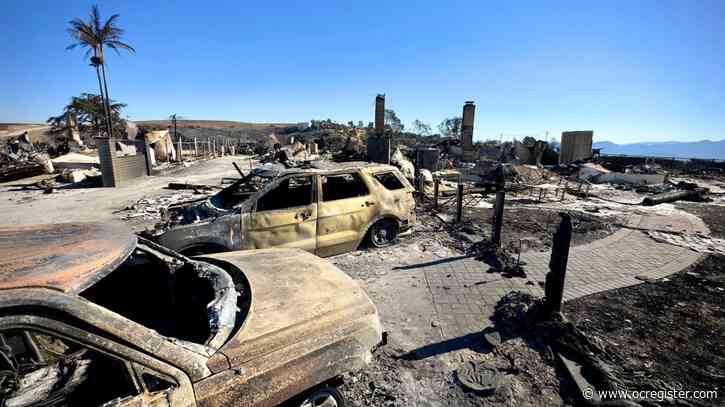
68, 257
275, 170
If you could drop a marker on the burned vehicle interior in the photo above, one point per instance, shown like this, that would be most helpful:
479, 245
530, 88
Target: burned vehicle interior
238, 192
195, 304
297, 190
42, 369
289, 193
343, 186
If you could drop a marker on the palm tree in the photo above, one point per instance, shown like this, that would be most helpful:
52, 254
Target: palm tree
89, 111
93, 35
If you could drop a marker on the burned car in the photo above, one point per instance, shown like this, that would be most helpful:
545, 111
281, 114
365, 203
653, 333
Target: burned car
92, 315
325, 208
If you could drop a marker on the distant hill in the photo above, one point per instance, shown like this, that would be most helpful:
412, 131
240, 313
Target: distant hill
215, 124
693, 149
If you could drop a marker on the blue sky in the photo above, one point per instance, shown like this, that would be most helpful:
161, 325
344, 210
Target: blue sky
629, 70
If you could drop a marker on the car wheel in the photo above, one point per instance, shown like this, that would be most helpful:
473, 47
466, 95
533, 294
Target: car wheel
324, 397
383, 233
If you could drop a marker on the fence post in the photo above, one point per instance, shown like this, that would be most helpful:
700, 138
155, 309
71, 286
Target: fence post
459, 204
554, 288
436, 184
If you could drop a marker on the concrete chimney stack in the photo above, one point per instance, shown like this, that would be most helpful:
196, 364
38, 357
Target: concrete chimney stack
469, 110
380, 114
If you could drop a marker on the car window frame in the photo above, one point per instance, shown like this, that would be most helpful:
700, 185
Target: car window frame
272, 186
357, 173
403, 184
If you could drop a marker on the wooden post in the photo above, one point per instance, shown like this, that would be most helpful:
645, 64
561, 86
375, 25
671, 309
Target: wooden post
436, 186
459, 203
554, 288
498, 218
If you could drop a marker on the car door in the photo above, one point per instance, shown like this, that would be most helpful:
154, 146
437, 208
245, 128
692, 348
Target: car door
283, 216
44, 362
346, 209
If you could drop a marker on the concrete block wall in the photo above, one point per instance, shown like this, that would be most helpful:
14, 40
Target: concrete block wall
117, 171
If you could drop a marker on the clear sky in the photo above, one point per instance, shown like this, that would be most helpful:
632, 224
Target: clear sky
629, 70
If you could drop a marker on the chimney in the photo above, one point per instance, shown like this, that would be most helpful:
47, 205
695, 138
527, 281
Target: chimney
469, 109
379, 114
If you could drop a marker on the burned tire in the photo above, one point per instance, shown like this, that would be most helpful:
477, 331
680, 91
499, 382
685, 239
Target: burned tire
383, 233
324, 397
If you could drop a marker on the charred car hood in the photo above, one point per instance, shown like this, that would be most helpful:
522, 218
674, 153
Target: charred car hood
295, 297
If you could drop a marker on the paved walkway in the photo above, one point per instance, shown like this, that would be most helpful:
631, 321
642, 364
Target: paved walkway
464, 294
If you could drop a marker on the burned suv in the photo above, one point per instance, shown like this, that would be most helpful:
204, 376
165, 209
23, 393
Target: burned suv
92, 316
325, 208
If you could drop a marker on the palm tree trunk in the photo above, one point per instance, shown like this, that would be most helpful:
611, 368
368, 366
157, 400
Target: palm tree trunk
103, 98
105, 87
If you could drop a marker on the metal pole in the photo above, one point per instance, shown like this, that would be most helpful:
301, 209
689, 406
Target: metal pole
459, 206
498, 218
554, 288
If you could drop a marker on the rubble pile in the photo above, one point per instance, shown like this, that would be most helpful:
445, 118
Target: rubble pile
20, 158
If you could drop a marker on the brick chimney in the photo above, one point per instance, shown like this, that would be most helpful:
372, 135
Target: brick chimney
469, 110
380, 114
